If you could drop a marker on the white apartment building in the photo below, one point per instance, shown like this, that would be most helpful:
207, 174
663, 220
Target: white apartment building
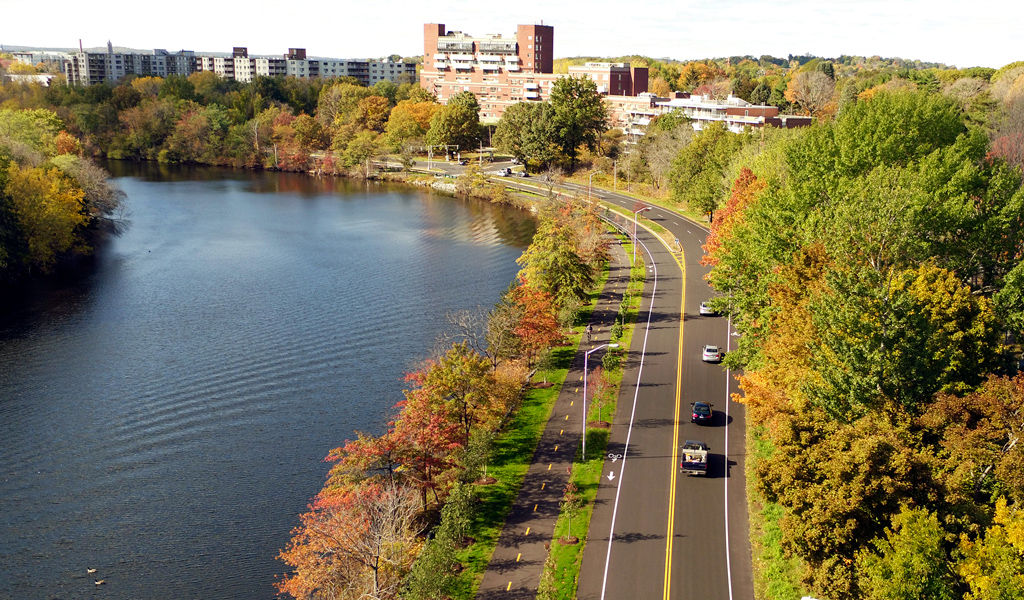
88, 68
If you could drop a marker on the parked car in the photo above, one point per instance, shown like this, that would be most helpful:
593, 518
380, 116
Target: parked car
506, 172
463, 162
706, 309
711, 354
515, 160
523, 174
701, 413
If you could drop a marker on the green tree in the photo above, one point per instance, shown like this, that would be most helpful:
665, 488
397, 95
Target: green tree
697, 173
579, 116
526, 131
910, 562
177, 87
454, 125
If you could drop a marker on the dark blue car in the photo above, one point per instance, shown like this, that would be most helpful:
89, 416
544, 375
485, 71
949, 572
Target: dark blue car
701, 413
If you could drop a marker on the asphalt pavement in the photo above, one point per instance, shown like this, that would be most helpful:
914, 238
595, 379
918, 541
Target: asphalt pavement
516, 566
655, 532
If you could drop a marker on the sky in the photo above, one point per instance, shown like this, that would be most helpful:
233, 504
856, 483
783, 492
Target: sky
986, 33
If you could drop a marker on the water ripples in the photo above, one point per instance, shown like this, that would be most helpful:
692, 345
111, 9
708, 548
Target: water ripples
165, 419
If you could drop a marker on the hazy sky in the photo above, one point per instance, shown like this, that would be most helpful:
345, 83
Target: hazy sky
979, 33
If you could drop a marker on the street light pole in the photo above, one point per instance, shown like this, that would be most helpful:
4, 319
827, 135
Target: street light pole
636, 216
590, 186
586, 355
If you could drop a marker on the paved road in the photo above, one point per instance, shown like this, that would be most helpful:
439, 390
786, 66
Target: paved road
654, 532
668, 531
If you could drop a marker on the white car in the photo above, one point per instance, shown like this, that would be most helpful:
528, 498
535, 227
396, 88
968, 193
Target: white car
706, 309
712, 354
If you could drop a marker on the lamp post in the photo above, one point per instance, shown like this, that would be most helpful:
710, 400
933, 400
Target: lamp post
636, 216
590, 186
586, 355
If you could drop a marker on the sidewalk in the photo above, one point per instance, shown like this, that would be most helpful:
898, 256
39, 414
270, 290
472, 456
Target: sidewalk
518, 560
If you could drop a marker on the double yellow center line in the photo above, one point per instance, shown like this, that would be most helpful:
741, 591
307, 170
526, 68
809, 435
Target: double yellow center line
675, 441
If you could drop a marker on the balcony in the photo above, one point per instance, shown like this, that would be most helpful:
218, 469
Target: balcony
531, 86
463, 57
463, 67
440, 56
490, 67
531, 95
511, 67
489, 58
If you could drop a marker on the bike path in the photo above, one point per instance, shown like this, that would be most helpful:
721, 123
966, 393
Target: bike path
516, 566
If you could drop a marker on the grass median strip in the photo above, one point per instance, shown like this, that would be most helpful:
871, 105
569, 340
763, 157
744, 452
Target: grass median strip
562, 568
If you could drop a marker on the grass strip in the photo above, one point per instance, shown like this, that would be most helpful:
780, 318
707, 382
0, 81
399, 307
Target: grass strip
776, 576
562, 568
513, 454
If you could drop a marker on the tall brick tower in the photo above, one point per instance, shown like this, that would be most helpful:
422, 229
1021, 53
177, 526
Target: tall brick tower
536, 48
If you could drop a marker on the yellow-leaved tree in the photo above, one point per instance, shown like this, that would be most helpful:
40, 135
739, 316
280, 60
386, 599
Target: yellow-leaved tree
49, 209
994, 565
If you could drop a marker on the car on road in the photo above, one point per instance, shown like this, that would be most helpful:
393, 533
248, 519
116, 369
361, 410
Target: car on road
694, 458
701, 413
463, 162
711, 354
523, 174
707, 310
506, 172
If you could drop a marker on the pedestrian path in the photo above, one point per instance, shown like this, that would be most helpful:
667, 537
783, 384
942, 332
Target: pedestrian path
518, 561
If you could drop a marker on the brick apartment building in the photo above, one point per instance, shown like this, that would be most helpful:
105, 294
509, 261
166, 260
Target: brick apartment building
502, 71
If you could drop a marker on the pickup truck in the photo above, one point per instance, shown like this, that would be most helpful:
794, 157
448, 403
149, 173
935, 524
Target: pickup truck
694, 458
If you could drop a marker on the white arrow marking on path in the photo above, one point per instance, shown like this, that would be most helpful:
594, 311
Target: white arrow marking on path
611, 475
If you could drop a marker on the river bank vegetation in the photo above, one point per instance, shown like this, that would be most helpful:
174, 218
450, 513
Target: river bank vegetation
399, 513
54, 204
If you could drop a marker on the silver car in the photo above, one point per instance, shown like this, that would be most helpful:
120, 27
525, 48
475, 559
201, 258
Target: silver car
712, 354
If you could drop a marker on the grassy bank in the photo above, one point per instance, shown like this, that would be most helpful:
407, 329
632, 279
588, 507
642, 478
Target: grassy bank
776, 576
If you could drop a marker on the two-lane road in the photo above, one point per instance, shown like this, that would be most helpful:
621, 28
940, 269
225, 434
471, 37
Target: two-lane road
672, 536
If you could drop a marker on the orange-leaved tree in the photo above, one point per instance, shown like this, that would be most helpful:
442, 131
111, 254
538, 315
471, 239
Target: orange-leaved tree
356, 541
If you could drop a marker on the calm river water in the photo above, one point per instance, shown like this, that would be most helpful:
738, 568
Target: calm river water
164, 419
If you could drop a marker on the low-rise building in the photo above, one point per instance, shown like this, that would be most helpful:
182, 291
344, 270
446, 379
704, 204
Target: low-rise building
735, 113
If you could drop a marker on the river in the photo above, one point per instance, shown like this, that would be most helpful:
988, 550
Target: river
164, 416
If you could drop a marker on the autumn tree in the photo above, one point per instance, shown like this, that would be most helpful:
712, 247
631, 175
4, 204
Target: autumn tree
909, 562
980, 440
355, 542
50, 212
993, 565
552, 264
811, 90
537, 328
372, 113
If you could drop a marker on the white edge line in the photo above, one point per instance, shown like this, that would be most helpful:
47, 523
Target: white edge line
629, 432
728, 376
